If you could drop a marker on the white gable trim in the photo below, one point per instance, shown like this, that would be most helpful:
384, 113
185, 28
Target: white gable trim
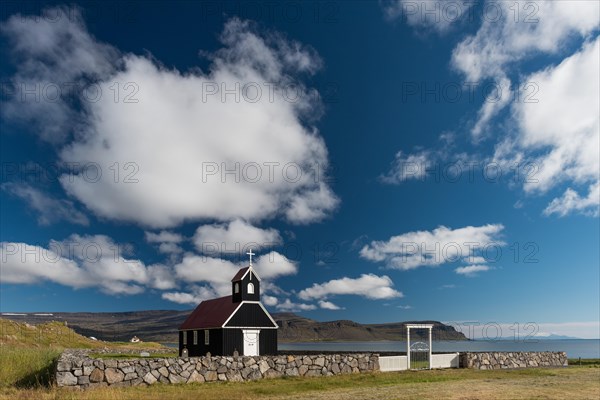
250, 302
253, 273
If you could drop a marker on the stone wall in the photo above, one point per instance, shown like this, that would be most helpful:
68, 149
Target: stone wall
76, 369
504, 360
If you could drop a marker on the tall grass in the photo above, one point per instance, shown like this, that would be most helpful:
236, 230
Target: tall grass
26, 368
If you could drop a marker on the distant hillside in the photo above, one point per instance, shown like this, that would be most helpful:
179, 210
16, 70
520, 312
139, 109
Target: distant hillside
161, 326
53, 335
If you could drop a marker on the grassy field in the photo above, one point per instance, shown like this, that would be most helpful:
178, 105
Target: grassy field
28, 353
27, 361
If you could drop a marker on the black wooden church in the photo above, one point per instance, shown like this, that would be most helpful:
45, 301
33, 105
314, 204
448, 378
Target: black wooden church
236, 323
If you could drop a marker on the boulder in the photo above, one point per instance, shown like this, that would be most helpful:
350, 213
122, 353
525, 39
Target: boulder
149, 378
113, 375
196, 377
66, 379
97, 375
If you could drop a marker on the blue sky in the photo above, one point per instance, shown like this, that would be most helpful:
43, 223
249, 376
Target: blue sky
395, 160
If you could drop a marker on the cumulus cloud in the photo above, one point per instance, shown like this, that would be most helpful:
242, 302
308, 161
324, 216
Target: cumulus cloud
570, 201
561, 133
428, 15
471, 270
82, 261
327, 305
368, 285
168, 242
177, 135
269, 300
217, 272
198, 295
431, 248
49, 209
234, 236
539, 28
288, 305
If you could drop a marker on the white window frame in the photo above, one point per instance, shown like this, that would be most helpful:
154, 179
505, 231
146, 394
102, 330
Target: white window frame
195, 338
236, 287
250, 288
206, 337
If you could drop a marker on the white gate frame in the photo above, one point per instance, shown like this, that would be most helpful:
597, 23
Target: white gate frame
416, 326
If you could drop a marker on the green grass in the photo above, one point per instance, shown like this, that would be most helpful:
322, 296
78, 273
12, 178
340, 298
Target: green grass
28, 353
27, 367
584, 362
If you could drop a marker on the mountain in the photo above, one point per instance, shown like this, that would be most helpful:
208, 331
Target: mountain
161, 326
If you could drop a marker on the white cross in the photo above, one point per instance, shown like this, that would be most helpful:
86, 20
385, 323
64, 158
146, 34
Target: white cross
250, 253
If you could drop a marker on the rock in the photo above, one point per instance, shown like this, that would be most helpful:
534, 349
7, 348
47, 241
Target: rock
149, 378
63, 366
222, 369
144, 354
234, 376
222, 377
271, 373
291, 372
78, 372
335, 368
87, 370
263, 366
137, 382
320, 361
130, 376
97, 375
83, 380
66, 379
163, 371
176, 379
196, 377
128, 369
255, 374
210, 376
113, 375
302, 370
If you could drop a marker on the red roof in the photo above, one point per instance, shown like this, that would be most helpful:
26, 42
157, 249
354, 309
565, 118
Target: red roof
240, 274
210, 314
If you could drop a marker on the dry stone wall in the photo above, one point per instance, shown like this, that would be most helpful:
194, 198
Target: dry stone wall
505, 360
76, 369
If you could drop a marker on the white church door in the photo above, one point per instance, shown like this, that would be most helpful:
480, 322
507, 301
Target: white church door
251, 342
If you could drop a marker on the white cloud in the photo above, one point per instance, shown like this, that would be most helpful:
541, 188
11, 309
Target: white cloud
168, 242
82, 261
408, 166
287, 305
273, 265
435, 15
217, 272
471, 270
404, 307
545, 28
414, 249
540, 27
327, 305
234, 236
561, 133
50, 210
572, 202
269, 300
167, 141
368, 285
198, 295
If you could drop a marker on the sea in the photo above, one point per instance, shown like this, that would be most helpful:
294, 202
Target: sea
575, 348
